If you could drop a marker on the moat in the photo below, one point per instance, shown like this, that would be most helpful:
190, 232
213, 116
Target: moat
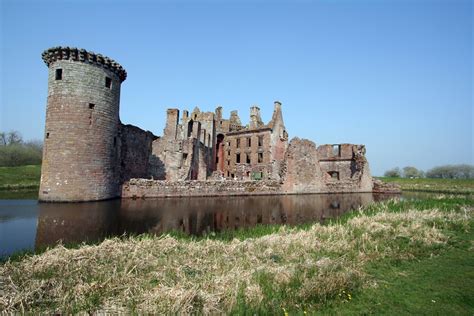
29, 225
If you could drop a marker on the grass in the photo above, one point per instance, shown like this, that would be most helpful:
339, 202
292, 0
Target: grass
391, 257
462, 186
23, 178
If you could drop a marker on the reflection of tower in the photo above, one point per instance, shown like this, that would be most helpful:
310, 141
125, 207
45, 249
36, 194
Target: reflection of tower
76, 222
81, 154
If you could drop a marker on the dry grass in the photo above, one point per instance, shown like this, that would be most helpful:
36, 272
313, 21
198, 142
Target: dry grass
168, 275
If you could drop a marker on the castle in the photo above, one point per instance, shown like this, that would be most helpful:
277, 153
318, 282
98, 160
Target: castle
90, 155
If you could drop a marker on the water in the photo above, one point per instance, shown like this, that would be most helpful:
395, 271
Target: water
29, 225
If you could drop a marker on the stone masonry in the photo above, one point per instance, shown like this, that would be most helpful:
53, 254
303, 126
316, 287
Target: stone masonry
90, 155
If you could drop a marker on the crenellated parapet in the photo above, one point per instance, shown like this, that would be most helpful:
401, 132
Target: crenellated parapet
81, 55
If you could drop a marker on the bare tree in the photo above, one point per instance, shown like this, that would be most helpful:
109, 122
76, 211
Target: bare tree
14, 137
3, 139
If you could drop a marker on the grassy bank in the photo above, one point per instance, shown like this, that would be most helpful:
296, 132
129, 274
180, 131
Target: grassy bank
21, 178
462, 186
377, 259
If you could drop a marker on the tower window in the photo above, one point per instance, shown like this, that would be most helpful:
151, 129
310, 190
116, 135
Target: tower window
108, 82
249, 142
260, 157
59, 74
115, 141
47, 135
238, 143
260, 141
91, 106
237, 158
248, 158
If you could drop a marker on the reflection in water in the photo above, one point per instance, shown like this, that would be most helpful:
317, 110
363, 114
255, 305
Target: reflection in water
77, 222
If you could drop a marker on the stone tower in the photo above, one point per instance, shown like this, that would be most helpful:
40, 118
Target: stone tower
81, 155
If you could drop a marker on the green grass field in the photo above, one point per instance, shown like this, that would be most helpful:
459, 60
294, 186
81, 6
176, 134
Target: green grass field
20, 178
463, 186
19, 182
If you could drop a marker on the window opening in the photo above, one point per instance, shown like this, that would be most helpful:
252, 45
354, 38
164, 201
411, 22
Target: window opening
334, 175
260, 157
108, 82
238, 143
248, 158
59, 74
336, 150
249, 142
237, 158
91, 106
260, 141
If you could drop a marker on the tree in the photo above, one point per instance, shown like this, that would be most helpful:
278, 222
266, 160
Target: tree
13, 138
15, 152
451, 172
412, 172
3, 139
393, 173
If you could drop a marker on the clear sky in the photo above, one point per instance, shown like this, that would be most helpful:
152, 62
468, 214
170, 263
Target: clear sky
396, 76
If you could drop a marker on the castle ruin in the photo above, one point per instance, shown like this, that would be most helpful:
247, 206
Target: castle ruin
90, 155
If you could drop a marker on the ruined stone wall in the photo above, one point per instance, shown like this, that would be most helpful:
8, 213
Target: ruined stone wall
143, 188
81, 154
255, 158
345, 168
136, 149
335, 152
278, 141
301, 172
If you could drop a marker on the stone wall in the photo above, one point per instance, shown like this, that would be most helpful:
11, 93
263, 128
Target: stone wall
301, 172
144, 188
136, 149
81, 153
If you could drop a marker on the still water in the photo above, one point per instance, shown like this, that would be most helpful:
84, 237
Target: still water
27, 224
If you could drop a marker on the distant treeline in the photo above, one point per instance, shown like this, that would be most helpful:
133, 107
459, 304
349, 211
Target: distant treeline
16, 152
443, 172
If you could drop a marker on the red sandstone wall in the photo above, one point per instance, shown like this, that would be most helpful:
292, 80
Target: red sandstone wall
81, 153
136, 149
302, 173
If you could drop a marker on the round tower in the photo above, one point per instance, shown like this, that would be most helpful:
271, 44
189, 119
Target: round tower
81, 156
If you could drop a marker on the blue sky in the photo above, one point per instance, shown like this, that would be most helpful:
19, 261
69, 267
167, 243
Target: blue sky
394, 75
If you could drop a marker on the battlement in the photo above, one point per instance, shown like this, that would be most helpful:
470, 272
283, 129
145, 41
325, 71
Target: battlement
53, 54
